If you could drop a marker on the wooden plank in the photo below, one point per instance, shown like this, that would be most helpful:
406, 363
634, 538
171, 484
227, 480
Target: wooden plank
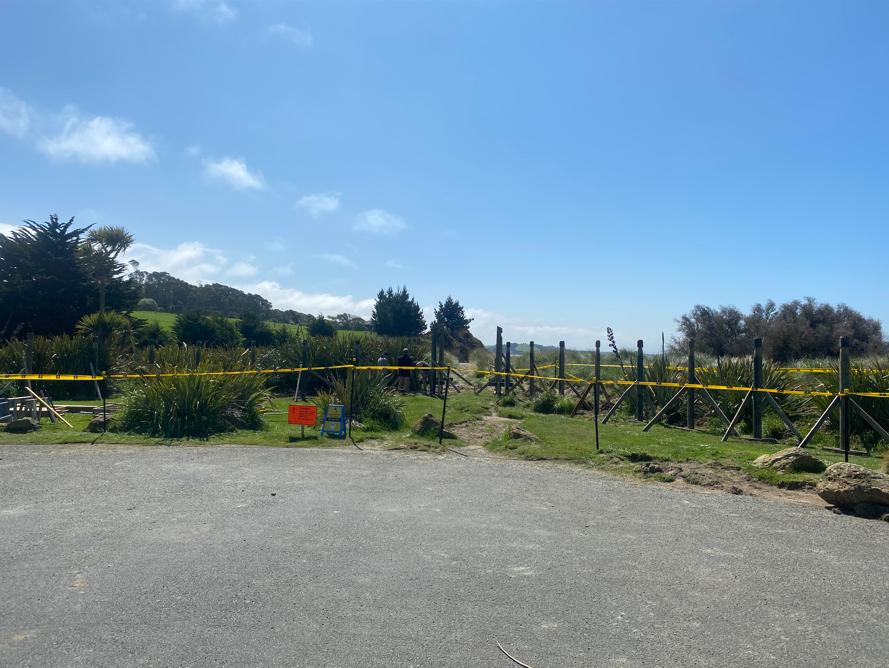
48, 407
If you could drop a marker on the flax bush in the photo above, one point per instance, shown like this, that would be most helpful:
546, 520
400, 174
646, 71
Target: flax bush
192, 406
374, 402
738, 372
869, 376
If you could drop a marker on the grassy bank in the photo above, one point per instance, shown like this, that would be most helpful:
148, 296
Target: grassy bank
573, 439
559, 438
276, 432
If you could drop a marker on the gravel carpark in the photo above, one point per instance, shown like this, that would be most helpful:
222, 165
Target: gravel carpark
230, 555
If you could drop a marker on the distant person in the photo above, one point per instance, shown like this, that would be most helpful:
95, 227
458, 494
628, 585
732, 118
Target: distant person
382, 360
404, 373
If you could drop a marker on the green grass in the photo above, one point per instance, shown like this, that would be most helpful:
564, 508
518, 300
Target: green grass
559, 438
276, 432
165, 320
573, 439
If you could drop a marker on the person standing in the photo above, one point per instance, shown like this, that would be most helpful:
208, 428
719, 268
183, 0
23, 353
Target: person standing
404, 373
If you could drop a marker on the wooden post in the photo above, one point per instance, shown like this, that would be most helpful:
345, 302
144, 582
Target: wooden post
640, 376
532, 368
757, 383
304, 362
29, 367
152, 355
845, 386
561, 367
444, 407
443, 378
431, 373
498, 362
597, 373
690, 395
508, 367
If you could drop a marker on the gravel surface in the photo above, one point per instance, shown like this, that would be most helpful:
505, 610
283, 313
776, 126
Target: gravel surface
231, 555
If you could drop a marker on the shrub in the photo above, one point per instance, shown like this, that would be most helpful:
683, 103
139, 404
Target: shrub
321, 327
152, 334
192, 406
545, 403
146, 304
564, 406
375, 404
738, 372
482, 358
197, 329
871, 376
774, 427
509, 400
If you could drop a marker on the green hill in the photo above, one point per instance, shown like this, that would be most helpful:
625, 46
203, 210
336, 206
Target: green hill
166, 321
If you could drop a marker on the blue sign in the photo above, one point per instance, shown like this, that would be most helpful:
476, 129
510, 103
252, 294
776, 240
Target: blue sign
334, 421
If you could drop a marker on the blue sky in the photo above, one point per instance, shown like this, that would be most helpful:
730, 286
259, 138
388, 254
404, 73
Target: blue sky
558, 167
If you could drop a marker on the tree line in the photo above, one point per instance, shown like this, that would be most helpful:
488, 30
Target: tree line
57, 278
798, 329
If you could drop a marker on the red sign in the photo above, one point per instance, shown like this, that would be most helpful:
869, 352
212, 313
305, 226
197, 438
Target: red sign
304, 415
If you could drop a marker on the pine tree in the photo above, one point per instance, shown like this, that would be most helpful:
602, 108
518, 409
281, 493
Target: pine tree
396, 313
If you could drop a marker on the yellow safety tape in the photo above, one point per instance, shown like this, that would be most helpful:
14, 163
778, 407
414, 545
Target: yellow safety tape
691, 386
49, 376
520, 376
790, 369
173, 374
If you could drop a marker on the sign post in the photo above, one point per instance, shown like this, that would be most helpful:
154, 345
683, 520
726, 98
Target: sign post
303, 416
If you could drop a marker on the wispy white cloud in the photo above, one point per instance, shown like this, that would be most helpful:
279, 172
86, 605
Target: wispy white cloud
97, 139
15, 116
233, 172
317, 204
302, 38
394, 264
191, 261
213, 10
378, 221
242, 269
309, 302
335, 258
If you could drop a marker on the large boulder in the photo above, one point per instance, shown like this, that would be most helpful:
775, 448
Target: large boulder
519, 434
790, 460
428, 426
849, 485
98, 425
22, 426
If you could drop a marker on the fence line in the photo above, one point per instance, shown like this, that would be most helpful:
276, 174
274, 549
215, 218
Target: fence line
841, 400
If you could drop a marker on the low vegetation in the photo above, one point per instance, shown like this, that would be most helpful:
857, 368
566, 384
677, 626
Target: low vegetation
192, 406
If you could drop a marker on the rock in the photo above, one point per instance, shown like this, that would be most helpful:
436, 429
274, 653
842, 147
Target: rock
849, 485
790, 460
98, 425
22, 426
650, 468
871, 511
519, 434
429, 426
